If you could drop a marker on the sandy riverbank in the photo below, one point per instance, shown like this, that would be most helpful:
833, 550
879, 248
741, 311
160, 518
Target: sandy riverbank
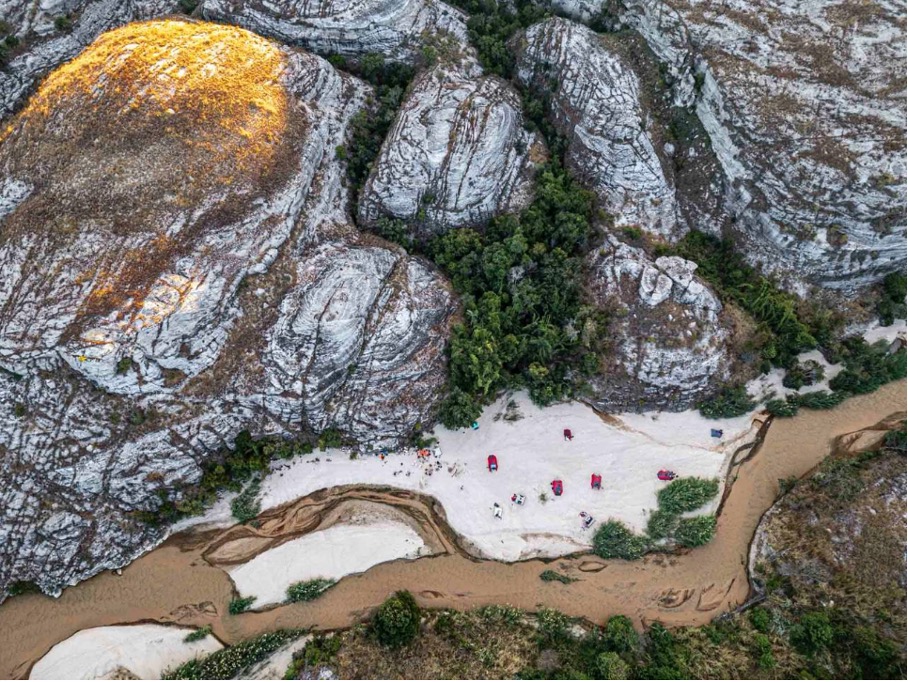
116, 652
175, 584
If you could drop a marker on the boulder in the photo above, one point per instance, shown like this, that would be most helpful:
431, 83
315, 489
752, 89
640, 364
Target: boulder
805, 107
669, 333
458, 153
594, 101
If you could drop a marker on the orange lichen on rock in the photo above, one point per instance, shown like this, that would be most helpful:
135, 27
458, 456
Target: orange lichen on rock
220, 84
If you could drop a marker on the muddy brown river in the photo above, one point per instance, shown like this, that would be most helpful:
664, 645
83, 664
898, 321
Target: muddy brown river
176, 584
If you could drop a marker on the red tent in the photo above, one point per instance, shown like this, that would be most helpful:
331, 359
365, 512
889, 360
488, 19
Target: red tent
568, 435
557, 487
666, 475
596, 482
493, 463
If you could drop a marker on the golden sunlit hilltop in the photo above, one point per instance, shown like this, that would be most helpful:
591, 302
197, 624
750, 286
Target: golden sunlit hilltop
154, 143
165, 108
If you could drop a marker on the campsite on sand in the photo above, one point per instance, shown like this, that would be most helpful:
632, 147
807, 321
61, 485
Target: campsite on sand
486, 492
176, 585
532, 451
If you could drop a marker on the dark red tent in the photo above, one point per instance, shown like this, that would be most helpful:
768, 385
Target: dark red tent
493, 463
596, 482
666, 475
557, 487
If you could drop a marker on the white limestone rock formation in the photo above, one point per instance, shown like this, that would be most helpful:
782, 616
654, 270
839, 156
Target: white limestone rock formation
396, 29
175, 273
457, 154
669, 336
43, 46
595, 104
805, 106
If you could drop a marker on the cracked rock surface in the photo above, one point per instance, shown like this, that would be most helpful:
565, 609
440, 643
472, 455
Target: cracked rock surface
805, 105
595, 104
670, 338
147, 320
457, 154
394, 28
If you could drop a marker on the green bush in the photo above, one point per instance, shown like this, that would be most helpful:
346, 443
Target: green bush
661, 524
308, 590
896, 439
554, 627
610, 667
782, 408
662, 656
396, 623
696, 531
233, 660
370, 126
867, 367
491, 24
818, 400
240, 605
246, 506
614, 540
812, 634
892, 298
318, 652
759, 619
803, 374
687, 494
330, 438
198, 634
620, 636
731, 401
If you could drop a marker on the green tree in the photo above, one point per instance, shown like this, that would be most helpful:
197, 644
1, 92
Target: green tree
396, 623
610, 667
620, 635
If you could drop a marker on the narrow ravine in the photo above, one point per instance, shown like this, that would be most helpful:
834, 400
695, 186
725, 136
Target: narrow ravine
175, 584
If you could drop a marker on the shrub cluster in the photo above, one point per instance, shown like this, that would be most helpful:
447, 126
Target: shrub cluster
240, 605
892, 298
198, 634
246, 506
687, 494
229, 662
308, 590
520, 283
370, 126
614, 540
731, 401
784, 333
396, 622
